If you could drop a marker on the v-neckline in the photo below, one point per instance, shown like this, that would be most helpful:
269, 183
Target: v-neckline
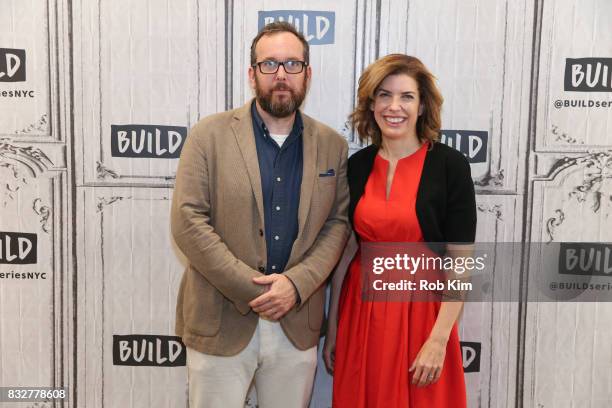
389, 185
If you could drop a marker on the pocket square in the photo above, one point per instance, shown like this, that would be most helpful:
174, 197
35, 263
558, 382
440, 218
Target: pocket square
328, 173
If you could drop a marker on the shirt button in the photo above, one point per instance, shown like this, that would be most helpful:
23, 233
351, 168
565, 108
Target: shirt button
277, 208
278, 179
276, 237
274, 267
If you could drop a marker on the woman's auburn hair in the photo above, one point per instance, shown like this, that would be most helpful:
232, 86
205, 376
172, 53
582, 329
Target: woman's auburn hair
429, 122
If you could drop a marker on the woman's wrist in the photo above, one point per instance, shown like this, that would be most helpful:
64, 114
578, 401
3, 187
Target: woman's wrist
439, 336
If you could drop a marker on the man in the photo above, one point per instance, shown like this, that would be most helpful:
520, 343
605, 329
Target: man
260, 211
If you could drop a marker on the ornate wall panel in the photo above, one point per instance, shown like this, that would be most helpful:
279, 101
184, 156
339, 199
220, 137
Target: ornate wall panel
148, 64
128, 285
568, 30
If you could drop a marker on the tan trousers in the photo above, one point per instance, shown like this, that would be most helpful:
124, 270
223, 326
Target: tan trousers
283, 374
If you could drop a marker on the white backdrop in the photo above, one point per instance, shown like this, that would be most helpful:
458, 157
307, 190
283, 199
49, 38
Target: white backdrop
101, 215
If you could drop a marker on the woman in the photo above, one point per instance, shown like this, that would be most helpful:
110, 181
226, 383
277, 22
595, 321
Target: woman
404, 187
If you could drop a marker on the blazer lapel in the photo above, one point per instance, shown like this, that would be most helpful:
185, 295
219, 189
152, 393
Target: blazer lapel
242, 126
309, 172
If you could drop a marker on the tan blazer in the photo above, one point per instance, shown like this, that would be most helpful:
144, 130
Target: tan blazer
218, 222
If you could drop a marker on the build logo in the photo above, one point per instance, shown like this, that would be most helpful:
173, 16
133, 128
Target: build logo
588, 75
12, 65
472, 143
470, 353
148, 350
147, 141
318, 27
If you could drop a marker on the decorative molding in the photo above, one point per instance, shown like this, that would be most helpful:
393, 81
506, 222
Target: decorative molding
103, 171
34, 159
553, 222
345, 131
103, 201
352, 138
42, 125
44, 212
16, 159
598, 168
563, 137
496, 210
491, 178
9, 187
589, 160
150, 199
38, 405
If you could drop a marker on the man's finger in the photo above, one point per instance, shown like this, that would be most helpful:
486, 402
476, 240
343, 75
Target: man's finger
279, 314
266, 308
274, 314
261, 299
264, 280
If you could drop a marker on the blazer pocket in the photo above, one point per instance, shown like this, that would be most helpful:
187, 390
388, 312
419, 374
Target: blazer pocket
325, 196
315, 309
326, 181
202, 305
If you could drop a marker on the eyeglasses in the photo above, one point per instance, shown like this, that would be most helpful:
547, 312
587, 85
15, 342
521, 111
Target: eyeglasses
271, 67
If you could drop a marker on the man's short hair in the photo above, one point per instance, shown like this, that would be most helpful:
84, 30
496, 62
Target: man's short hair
275, 28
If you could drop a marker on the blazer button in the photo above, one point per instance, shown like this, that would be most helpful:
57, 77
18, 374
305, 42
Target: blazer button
261, 269
261, 233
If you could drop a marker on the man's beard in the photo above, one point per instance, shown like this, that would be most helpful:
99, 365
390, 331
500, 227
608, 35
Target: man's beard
284, 107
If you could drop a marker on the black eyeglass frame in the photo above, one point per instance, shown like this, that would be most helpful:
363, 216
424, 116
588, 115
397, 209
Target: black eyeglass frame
303, 64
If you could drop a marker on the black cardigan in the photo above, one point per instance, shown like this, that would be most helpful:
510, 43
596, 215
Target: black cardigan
445, 203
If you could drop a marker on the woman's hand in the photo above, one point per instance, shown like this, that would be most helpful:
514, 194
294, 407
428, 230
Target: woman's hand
329, 347
427, 366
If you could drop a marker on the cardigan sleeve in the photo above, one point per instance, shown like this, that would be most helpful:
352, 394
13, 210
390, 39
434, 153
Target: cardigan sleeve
460, 223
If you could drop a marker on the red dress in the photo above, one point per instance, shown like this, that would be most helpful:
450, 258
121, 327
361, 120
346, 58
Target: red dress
378, 341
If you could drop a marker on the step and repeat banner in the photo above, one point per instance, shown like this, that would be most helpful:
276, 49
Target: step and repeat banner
96, 100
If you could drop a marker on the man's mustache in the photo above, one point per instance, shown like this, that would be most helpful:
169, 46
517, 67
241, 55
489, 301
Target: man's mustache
281, 87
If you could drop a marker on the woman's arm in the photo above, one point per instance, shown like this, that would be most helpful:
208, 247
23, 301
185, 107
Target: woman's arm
450, 311
427, 366
460, 226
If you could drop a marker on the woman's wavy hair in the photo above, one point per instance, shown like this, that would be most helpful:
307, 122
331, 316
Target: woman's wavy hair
429, 122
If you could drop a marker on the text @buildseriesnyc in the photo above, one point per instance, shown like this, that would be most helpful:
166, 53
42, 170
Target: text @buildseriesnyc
485, 272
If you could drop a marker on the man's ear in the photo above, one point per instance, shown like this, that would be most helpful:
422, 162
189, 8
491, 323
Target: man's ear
251, 73
308, 74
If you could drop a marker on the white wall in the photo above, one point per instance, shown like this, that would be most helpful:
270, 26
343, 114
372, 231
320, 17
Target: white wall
102, 221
